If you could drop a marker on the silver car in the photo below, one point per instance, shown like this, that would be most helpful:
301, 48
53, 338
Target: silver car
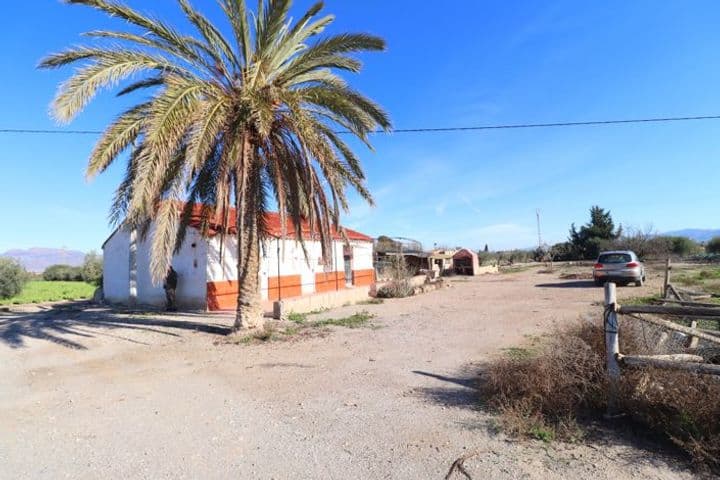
619, 266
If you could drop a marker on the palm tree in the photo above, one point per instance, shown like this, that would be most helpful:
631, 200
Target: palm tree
232, 121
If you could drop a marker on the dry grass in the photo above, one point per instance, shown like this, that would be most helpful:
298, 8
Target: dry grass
543, 392
539, 393
395, 289
682, 406
698, 277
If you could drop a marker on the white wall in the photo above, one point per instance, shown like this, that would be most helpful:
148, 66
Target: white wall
116, 267
293, 262
227, 270
291, 259
362, 255
190, 263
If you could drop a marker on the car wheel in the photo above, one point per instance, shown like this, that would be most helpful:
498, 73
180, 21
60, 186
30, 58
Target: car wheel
639, 283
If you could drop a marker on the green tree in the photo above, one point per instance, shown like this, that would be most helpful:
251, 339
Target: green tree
563, 252
62, 273
590, 239
92, 268
684, 246
12, 277
238, 121
713, 245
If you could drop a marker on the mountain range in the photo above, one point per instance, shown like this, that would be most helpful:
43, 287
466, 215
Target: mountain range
38, 259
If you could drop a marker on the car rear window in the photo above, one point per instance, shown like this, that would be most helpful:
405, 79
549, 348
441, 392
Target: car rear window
615, 258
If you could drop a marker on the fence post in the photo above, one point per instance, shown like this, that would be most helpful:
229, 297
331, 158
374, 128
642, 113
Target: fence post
667, 278
612, 345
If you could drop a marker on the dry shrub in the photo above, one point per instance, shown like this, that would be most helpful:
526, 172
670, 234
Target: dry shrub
683, 406
542, 393
395, 289
399, 285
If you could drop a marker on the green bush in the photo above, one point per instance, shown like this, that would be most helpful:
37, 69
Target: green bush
563, 252
92, 269
66, 273
487, 258
12, 277
683, 246
713, 245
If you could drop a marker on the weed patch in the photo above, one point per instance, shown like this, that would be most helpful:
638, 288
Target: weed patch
518, 353
372, 301
297, 317
542, 391
297, 325
517, 268
356, 320
303, 317
648, 300
708, 278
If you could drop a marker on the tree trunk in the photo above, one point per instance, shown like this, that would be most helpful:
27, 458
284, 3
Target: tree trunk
249, 313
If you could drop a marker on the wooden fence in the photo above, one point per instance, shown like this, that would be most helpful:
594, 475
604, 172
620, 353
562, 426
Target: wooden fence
666, 316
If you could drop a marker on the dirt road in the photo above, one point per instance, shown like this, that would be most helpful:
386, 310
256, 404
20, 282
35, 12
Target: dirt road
95, 394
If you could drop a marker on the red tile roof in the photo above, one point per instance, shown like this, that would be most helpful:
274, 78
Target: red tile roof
272, 220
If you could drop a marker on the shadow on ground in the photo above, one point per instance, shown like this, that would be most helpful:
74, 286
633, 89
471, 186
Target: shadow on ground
68, 324
570, 284
460, 390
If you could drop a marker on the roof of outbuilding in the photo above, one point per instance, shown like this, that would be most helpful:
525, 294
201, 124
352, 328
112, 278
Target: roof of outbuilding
464, 253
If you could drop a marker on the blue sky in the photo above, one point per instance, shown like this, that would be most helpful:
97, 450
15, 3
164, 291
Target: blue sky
448, 64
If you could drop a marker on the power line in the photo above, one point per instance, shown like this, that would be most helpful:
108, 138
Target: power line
50, 132
557, 124
429, 129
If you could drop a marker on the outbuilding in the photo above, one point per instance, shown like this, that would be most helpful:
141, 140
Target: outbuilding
207, 280
466, 262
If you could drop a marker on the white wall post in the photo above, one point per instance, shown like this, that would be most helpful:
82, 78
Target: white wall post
612, 344
132, 258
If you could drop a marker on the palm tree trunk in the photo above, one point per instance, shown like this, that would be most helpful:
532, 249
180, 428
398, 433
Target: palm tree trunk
249, 313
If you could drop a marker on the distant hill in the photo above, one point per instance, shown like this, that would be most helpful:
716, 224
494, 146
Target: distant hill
697, 234
38, 259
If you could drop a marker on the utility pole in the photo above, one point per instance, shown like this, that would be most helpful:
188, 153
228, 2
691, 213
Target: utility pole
537, 213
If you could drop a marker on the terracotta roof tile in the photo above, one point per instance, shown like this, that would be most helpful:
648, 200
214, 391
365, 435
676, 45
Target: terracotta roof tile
272, 220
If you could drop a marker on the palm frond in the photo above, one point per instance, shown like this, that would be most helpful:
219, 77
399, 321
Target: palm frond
207, 127
169, 118
141, 84
110, 67
153, 26
118, 136
237, 12
215, 42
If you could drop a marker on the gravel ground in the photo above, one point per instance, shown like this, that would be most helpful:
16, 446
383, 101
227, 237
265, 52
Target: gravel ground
89, 393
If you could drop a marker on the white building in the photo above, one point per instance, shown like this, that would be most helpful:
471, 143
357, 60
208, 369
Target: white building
206, 282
